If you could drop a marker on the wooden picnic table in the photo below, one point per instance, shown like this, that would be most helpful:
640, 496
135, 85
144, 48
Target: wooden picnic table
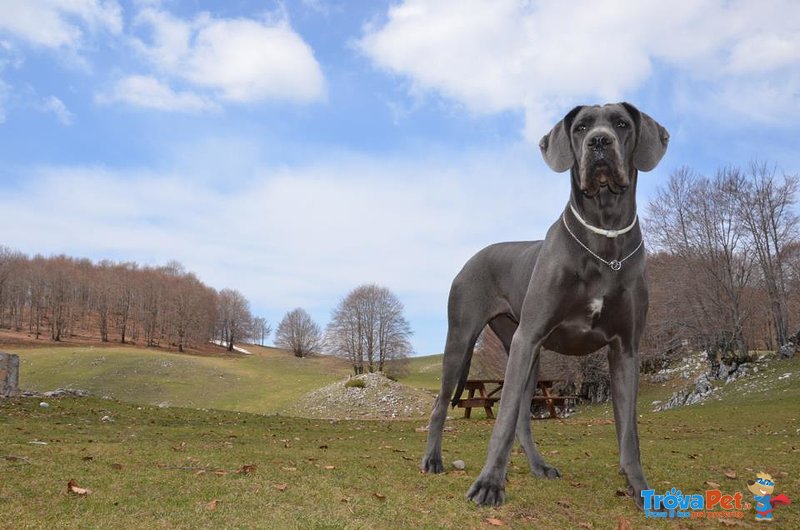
487, 399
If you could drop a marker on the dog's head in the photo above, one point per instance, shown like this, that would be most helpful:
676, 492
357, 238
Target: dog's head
606, 144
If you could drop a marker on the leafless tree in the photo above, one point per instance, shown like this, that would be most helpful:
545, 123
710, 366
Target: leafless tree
368, 328
235, 316
695, 220
766, 208
298, 333
261, 330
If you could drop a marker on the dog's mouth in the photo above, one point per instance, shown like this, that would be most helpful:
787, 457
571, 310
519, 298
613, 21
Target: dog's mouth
602, 168
603, 174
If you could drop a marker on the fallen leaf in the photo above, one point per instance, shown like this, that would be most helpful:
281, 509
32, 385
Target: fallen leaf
588, 526
87, 458
328, 467
379, 496
200, 472
220, 472
421, 429
565, 503
289, 468
180, 447
730, 474
72, 487
116, 466
495, 522
323, 446
712, 484
575, 484
621, 493
247, 469
280, 487
623, 524
212, 505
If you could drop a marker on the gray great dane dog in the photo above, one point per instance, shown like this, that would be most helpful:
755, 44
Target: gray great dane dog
580, 289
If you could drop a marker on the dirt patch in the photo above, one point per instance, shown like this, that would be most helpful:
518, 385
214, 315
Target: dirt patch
380, 398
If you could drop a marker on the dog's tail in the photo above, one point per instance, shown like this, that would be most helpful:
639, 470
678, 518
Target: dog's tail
462, 379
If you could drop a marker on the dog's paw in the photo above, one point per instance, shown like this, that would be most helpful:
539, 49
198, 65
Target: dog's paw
432, 464
546, 471
487, 492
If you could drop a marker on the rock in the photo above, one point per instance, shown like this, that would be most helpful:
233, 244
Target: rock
459, 464
106, 419
787, 350
44, 404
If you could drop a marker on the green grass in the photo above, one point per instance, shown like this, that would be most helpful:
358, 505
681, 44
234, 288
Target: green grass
424, 372
167, 457
266, 382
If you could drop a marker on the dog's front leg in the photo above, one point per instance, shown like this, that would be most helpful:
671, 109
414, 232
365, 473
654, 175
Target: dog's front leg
624, 370
538, 466
489, 487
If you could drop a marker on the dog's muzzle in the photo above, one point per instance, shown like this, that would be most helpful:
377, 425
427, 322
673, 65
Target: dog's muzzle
601, 165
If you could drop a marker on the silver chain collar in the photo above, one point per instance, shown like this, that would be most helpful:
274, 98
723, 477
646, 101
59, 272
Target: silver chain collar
614, 264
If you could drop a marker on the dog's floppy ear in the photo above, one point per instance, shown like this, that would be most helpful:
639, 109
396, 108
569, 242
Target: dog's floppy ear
556, 146
651, 141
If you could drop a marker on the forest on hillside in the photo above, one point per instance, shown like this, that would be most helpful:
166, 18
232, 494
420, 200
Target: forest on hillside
58, 297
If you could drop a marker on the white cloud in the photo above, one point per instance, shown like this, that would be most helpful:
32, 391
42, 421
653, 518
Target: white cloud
295, 236
148, 92
55, 106
238, 59
542, 57
58, 23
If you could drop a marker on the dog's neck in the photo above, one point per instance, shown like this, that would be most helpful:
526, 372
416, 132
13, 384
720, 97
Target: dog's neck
606, 210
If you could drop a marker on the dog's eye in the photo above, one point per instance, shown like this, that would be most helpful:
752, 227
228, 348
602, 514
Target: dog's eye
581, 127
622, 124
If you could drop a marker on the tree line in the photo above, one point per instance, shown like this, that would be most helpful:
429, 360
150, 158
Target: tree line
59, 297
724, 272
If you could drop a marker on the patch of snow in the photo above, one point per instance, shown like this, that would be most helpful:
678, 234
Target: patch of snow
235, 348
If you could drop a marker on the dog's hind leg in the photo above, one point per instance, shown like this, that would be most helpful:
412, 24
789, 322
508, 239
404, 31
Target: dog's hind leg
465, 324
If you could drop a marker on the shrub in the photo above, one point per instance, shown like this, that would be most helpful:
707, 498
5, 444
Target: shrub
355, 383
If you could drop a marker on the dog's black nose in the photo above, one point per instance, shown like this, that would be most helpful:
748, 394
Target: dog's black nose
599, 141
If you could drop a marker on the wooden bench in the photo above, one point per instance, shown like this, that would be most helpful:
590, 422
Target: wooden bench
484, 399
488, 399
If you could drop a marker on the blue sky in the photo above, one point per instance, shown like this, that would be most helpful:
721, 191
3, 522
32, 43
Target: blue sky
295, 150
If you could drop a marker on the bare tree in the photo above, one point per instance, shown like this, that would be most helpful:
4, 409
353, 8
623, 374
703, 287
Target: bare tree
368, 328
235, 316
261, 330
695, 219
766, 208
298, 333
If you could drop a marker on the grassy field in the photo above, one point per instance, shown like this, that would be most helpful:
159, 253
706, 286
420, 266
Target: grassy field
265, 382
424, 372
179, 468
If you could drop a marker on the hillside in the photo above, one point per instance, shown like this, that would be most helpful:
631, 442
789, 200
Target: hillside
267, 381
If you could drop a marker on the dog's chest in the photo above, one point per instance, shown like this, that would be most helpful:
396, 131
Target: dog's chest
595, 307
